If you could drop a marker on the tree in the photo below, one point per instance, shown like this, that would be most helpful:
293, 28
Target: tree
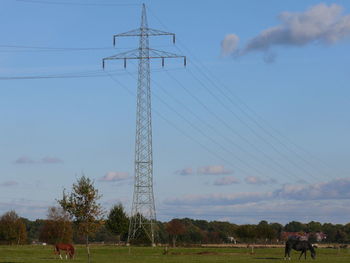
57, 227
33, 228
82, 205
175, 228
313, 227
277, 228
246, 233
294, 226
331, 231
104, 235
117, 221
12, 229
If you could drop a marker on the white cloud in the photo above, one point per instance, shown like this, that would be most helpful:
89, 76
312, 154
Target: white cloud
229, 44
258, 180
8, 183
218, 199
26, 208
281, 211
335, 189
185, 171
45, 160
325, 202
51, 160
213, 170
227, 180
115, 177
24, 160
321, 23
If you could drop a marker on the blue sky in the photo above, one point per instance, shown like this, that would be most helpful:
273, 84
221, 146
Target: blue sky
255, 127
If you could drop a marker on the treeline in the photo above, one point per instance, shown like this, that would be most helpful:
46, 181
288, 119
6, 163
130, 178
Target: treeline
58, 227
190, 231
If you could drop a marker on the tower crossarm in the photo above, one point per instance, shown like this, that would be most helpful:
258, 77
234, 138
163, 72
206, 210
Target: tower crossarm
135, 54
143, 31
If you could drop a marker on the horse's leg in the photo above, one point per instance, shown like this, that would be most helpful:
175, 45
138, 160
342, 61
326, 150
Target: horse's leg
287, 252
305, 253
302, 252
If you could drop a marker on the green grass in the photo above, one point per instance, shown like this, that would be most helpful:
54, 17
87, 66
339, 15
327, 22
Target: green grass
109, 254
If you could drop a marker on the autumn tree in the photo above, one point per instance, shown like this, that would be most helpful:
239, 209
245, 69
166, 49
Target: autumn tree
117, 221
175, 228
57, 227
264, 231
246, 233
12, 229
82, 205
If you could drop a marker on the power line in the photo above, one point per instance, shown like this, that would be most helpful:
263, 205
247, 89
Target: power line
59, 48
43, 48
221, 120
213, 128
247, 164
259, 125
291, 161
75, 4
18, 48
70, 75
226, 138
158, 113
87, 74
250, 117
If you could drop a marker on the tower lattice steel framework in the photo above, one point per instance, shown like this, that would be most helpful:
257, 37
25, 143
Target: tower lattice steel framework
143, 214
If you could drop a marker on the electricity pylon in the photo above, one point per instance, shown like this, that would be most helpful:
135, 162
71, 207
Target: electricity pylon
143, 214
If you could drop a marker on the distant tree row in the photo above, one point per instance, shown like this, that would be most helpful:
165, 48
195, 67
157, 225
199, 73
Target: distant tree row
58, 227
79, 219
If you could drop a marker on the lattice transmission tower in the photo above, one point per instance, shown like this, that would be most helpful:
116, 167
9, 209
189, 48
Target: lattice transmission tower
143, 214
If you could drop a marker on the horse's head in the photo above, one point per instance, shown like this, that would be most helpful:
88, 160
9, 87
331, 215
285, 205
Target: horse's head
71, 252
313, 255
313, 252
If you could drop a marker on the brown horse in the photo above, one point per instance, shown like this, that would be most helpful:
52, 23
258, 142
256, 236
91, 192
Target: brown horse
64, 247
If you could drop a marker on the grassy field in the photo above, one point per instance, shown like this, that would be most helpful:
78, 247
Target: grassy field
109, 254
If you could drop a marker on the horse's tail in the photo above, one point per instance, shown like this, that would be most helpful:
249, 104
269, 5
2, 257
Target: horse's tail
55, 249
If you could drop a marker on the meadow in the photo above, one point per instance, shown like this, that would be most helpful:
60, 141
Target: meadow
109, 254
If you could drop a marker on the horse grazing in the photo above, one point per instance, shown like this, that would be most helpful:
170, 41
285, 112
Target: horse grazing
64, 247
299, 245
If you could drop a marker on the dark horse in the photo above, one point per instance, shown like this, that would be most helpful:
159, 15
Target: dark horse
65, 247
299, 245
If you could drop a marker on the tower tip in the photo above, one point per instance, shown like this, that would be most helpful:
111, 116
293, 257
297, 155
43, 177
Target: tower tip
144, 17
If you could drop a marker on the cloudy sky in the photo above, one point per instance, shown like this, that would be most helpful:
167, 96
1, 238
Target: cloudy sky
256, 127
